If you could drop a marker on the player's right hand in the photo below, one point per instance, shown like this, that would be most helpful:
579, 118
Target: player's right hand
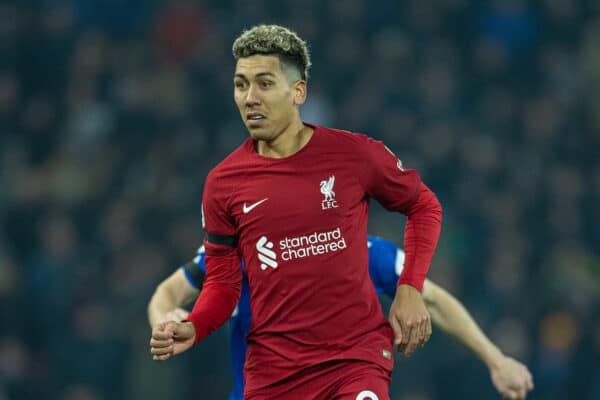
171, 338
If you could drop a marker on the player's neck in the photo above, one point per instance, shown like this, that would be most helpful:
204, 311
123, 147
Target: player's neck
290, 141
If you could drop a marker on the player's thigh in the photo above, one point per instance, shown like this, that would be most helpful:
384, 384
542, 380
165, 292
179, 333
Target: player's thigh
369, 382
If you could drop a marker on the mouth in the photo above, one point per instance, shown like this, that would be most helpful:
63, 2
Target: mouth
254, 118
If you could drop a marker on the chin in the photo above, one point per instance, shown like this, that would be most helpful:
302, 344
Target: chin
263, 137
260, 134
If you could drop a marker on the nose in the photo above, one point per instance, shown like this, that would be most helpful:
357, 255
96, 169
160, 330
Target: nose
252, 98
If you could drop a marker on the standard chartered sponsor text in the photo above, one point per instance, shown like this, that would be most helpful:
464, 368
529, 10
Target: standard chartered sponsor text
314, 244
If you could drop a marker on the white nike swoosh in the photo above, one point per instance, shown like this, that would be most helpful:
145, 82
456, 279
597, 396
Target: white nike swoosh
247, 209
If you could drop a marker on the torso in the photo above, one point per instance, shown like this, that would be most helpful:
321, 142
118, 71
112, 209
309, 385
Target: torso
306, 258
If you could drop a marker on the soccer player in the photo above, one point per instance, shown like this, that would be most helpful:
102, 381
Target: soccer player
293, 202
511, 378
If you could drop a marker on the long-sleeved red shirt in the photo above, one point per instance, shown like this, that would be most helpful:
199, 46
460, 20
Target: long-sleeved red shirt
300, 224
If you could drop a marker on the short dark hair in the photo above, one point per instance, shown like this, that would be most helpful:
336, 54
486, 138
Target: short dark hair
274, 40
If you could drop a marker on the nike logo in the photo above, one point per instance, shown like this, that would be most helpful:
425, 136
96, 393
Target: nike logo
246, 209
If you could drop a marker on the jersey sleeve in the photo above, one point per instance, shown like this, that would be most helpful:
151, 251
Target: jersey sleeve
386, 262
216, 218
222, 285
398, 189
423, 225
385, 179
195, 270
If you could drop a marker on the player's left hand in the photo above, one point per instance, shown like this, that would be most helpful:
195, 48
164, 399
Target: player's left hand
410, 319
511, 378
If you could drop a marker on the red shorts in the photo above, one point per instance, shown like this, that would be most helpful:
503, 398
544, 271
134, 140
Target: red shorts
335, 380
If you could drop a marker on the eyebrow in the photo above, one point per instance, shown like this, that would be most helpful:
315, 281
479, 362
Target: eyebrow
260, 74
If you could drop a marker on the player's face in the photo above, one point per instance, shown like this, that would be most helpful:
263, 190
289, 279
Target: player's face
267, 101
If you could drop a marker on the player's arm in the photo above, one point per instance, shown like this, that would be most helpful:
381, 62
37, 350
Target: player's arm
218, 297
170, 295
511, 378
223, 282
401, 190
408, 316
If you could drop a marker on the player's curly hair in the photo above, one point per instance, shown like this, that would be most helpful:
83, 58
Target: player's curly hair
274, 40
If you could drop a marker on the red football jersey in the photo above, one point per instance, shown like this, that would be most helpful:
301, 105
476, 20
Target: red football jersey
301, 222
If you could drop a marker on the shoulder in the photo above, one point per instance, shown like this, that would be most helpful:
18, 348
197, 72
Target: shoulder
359, 144
228, 169
233, 160
344, 137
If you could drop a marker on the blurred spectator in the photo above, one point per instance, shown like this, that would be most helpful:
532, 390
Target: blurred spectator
559, 334
112, 112
14, 368
182, 27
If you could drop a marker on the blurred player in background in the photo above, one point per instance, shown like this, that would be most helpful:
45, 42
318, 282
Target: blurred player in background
511, 378
293, 202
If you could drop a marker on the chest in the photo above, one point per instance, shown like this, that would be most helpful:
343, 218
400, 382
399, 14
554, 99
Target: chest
289, 199
296, 221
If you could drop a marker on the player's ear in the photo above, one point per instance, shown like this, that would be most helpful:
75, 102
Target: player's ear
299, 90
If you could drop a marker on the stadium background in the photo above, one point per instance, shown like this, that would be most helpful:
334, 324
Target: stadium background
113, 111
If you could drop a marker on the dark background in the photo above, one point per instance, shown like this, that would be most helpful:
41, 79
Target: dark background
113, 111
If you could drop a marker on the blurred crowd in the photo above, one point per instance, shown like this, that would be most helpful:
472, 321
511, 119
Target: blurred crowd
113, 111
